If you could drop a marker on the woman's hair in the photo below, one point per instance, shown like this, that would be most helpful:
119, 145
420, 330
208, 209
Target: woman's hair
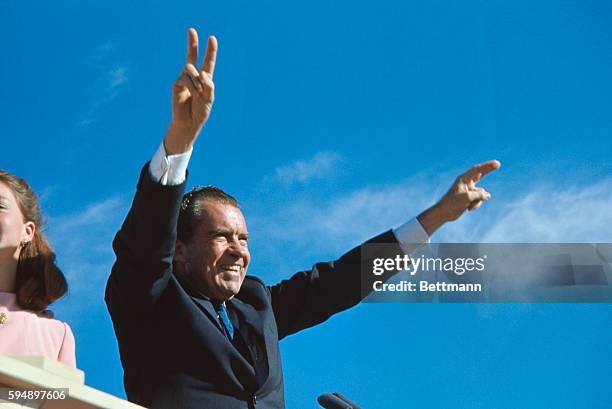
39, 281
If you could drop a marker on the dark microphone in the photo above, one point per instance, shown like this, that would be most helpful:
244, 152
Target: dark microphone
336, 401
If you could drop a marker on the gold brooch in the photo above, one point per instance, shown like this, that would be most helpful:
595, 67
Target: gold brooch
3, 317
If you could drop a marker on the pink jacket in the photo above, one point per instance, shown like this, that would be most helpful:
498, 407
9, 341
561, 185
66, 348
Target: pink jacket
22, 332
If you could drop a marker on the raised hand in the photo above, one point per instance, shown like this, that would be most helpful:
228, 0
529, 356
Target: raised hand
193, 94
463, 195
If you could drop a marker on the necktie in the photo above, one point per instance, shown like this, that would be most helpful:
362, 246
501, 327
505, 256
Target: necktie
225, 320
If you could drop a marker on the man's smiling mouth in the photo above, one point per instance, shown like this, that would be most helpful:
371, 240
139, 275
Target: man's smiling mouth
231, 267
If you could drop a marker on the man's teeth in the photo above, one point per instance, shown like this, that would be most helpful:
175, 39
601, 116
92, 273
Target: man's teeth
233, 267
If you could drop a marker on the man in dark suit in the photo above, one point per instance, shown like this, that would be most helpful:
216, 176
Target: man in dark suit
194, 330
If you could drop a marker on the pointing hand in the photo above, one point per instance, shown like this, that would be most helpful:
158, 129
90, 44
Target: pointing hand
463, 195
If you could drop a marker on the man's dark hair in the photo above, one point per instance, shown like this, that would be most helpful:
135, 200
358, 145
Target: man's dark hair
191, 208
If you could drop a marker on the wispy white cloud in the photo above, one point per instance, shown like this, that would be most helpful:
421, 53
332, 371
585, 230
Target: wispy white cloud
46, 194
117, 77
94, 214
112, 77
298, 231
103, 50
85, 122
321, 165
553, 213
350, 216
82, 241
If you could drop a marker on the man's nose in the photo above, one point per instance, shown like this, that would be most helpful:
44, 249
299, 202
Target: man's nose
236, 248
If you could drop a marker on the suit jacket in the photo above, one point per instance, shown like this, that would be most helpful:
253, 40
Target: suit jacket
173, 351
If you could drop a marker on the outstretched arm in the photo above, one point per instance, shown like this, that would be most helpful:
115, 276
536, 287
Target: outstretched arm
311, 297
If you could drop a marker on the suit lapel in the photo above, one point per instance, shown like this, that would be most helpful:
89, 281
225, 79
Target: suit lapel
253, 320
202, 302
208, 308
249, 315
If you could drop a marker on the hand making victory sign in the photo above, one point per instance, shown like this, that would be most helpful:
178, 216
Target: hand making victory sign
193, 94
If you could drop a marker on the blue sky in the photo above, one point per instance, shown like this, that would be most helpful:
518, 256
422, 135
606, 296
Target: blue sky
334, 121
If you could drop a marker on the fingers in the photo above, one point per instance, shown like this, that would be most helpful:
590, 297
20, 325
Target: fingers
210, 58
478, 171
477, 197
199, 85
187, 84
192, 47
475, 205
191, 72
478, 194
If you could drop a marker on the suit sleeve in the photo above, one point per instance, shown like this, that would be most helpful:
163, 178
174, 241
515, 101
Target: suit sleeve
311, 297
144, 248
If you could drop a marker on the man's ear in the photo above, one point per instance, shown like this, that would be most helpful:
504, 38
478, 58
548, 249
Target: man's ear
180, 252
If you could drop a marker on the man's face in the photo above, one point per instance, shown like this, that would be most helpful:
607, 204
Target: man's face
217, 258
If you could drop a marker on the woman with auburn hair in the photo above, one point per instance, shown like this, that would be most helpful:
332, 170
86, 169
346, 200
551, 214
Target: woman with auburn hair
29, 279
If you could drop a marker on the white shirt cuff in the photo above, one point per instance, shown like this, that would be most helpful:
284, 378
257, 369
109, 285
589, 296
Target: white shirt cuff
411, 235
169, 170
